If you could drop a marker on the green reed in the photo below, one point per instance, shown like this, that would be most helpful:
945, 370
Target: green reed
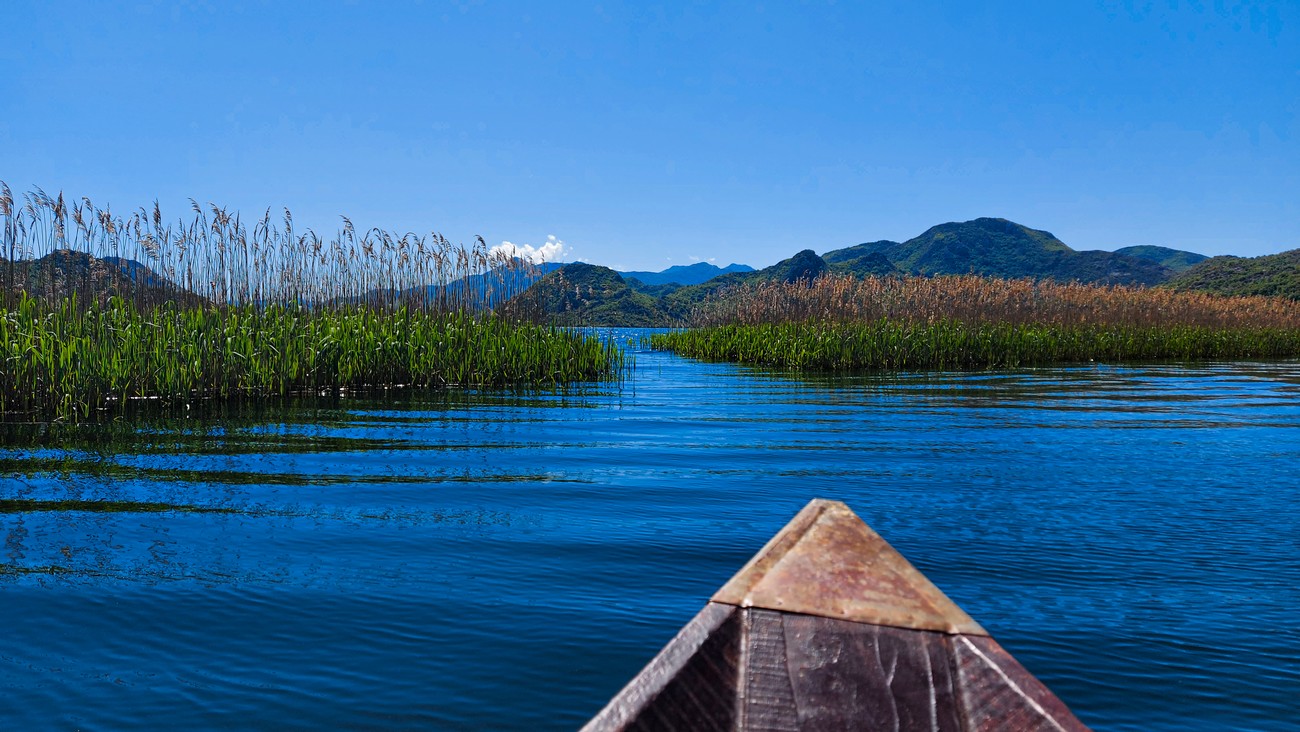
954, 345
71, 360
99, 310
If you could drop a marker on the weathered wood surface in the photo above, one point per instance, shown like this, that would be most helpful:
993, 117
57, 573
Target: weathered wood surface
690, 685
846, 675
827, 562
752, 669
747, 663
999, 694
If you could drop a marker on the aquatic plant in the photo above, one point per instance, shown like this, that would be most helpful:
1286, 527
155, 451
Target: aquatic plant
973, 299
51, 247
839, 323
71, 360
951, 344
97, 310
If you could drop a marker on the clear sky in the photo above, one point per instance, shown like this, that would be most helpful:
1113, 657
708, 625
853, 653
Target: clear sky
643, 135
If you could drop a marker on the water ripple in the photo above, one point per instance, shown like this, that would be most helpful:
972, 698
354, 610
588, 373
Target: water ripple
508, 560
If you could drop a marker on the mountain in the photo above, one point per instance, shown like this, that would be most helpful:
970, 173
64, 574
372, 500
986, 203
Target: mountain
1001, 248
858, 251
65, 272
138, 273
1175, 259
686, 274
990, 247
1276, 275
486, 289
803, 266
863, 260
587, 294
477, 291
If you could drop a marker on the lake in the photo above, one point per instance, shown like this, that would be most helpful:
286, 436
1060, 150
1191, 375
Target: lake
509, 561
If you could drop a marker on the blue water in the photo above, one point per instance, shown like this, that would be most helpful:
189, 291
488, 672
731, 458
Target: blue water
1131, 535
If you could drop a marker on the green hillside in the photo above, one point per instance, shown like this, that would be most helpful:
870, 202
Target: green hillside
1000, 248
1276, 275
857, 251
651, 290
587, 294
993, 247
805, 265
1175, 259
583, 294
870, 264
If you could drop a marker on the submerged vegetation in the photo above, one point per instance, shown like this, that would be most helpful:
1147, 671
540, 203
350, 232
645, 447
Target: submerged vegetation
98, 309
839, 323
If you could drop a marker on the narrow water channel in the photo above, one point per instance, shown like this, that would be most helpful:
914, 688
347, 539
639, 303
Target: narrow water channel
504, 561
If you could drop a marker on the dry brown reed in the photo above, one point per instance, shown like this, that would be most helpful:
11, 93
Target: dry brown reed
971, 299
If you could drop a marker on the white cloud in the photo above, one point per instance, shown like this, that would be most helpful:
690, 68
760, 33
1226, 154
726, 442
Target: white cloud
553, 250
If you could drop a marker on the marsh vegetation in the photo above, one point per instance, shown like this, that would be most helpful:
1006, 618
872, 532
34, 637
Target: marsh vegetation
842, 323
97, 309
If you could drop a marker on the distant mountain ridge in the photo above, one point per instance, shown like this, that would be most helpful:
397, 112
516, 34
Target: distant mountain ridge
490, 288
990, 247
685, 274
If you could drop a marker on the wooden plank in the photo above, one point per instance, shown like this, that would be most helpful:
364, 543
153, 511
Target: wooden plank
767, 701
691, 684
999, 694
848, 675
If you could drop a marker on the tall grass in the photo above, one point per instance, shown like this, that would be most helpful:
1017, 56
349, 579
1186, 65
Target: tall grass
840, 323
214, 254
220, 310
973, 299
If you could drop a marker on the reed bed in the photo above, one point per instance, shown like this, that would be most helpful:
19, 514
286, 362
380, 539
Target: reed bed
97, 310
215, 255
839, 323
972, 299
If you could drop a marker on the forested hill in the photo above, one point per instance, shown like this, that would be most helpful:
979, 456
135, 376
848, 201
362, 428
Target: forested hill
988, 247
1274, 275
588, 294
1175, 259
1000, 248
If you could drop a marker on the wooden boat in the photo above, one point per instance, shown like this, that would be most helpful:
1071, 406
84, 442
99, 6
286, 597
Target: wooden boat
829, 628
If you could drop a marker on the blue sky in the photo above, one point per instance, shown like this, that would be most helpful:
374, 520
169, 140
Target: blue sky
644, 135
